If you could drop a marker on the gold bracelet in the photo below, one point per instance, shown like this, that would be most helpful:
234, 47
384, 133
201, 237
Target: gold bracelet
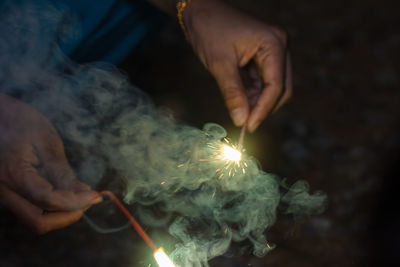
180, 7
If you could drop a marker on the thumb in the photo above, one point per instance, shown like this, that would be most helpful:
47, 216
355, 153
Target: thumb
228, 78
33, 216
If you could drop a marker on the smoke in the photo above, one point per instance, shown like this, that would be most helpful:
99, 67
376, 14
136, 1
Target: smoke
162, 161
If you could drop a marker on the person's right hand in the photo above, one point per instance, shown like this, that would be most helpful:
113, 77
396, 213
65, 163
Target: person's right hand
227, 39
47, 200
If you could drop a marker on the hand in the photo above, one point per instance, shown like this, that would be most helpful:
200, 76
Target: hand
28, 143
225, 40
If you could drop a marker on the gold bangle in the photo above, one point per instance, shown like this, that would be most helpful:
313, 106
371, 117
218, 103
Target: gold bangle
180, 7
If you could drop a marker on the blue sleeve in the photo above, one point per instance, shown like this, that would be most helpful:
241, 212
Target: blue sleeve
109, 29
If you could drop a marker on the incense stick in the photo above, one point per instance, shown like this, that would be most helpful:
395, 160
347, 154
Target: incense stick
132, 220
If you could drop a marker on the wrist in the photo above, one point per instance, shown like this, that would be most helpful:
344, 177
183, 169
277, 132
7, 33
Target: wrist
197, 11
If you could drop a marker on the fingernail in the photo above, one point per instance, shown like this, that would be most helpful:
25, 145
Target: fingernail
238, 116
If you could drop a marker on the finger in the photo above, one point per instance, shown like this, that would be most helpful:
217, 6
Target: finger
254, 90
228, 78
28, 183
33, 216
271, 63
52, 155
288, 90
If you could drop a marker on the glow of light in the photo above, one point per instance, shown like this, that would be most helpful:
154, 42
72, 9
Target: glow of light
162, 259
229, 153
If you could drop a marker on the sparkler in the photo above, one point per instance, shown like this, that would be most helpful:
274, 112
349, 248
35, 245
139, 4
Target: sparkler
241, 137
212, 150
232, 155
160, 256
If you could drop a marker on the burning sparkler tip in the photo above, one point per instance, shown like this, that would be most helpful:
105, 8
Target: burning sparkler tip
230, 153
162, 259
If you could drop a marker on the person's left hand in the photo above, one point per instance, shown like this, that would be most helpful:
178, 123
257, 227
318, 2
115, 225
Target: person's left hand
225, 40
36, 182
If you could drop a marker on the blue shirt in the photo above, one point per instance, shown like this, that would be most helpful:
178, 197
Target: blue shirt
109, 29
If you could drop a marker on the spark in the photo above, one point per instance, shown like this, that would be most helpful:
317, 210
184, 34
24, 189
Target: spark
231, 156
162, 259
230, 153
228, 158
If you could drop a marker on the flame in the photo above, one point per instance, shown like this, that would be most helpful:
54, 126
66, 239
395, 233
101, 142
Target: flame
162, 259
229, 153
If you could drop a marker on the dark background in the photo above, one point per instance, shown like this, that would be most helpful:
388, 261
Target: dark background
340, 132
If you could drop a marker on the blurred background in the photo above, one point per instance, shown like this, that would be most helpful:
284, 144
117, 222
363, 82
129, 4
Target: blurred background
340, 132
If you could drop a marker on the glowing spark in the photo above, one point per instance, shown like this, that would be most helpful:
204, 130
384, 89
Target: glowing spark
228, 156
229, 153
162, 259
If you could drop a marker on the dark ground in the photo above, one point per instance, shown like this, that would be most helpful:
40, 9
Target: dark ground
340, 132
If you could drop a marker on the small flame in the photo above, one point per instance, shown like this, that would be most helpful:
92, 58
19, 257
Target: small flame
229, 153
162, 259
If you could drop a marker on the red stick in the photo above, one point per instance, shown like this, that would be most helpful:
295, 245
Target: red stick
132, 220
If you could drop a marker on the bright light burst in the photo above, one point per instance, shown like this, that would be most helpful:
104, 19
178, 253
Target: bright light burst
227, 157
230, 153
162, 259
231, 157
